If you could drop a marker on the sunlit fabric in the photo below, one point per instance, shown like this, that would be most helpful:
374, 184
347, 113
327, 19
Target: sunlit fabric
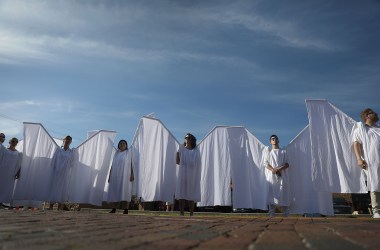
304, 198
91, 168
154, 151
232, 155
334, 166
38, 150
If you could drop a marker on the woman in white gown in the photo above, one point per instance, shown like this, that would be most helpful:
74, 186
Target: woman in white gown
189, 168
10, 166
121, 178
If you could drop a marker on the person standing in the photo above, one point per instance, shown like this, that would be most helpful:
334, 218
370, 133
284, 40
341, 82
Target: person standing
366, 140
62, 164
10, 166
121, 178
275, 162
189, 168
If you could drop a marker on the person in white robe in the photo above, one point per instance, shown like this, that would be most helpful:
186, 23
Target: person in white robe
366, 140
188, 160
121, 178
62, 164
276, 165
10, 165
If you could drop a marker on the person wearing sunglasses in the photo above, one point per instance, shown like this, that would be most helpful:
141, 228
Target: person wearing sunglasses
366, 141
277, 176
10, 166
189, 168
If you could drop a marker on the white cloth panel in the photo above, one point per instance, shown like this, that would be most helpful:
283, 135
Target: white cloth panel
215, 170
304, 198
334, 166
91, 168
248, 177
10, 163
154, 151
38, 150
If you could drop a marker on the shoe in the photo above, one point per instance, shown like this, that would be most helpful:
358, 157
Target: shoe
125, 211
376, 216
113, 211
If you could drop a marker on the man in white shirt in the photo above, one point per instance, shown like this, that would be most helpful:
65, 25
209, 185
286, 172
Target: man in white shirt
366, 140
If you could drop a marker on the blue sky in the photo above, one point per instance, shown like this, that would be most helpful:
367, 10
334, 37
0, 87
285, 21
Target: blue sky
76, 66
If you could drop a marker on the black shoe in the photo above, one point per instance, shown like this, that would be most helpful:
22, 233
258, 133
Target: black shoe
113, 211
125, 211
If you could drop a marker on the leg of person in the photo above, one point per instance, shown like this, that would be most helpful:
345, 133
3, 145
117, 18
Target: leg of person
375, 200
125, 207
114, 205
191, 208
182, 206
285, 210
271, 210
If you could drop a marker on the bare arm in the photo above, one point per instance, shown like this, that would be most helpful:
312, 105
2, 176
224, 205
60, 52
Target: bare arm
359, 153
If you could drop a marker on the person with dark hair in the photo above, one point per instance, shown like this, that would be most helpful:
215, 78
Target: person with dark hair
2, 139
121, 178
189, 168
366, 140
62, 164
10, 166
275, 162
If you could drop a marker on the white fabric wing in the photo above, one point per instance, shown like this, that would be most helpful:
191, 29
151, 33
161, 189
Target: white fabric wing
334, 166
38, 150
153, 159
216, 170
91, 168
304, 198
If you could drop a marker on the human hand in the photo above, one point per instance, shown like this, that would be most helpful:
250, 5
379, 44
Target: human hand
362, 164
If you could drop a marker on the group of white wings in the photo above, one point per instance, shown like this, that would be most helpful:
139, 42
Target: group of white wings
320, 157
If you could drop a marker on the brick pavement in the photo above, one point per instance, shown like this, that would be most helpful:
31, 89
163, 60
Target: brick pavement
97, 229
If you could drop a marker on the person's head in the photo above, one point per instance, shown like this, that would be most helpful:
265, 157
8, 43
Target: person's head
369, 114
273, 140
2, 138
122, 145
67, 141
13, 142
190, 140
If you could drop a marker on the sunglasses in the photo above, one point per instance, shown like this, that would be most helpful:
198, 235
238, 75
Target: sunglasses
14, 141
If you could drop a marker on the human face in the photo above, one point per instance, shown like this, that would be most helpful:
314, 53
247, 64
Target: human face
2, 137
66, 143
122, 146
274, 140
372, 116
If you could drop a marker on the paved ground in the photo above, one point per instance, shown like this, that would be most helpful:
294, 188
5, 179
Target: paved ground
96, 229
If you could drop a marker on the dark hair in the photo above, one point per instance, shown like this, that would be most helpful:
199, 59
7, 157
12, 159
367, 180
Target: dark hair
68, 138
193, 140
275, 136
365, 113
118, 145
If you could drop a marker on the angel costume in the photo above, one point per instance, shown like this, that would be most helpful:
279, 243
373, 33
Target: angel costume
10, 163
278, 185
120, 186
62, 164
189, 170
369, 138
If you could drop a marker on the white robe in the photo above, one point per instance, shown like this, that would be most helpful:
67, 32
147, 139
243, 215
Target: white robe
189, 169
10, 163
369, 137
120, 186
62, 165
278, 186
